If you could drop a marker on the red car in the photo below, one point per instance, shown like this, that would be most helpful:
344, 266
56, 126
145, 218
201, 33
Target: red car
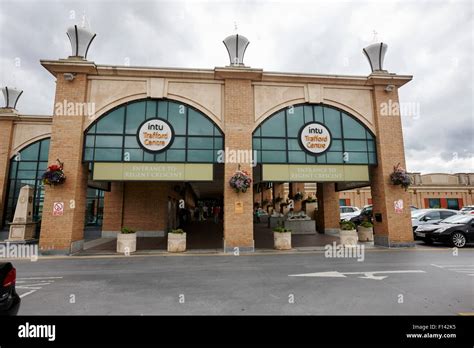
9, 299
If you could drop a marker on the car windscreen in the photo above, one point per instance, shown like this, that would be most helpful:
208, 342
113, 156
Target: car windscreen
417, 213
457, 219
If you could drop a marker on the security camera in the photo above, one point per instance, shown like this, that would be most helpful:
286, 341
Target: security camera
69, 76
389, 88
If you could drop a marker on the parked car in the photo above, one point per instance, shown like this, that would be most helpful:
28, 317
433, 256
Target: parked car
413, 208
365, 215
9, 299
468, 209
347, 212
456, 230
429, 216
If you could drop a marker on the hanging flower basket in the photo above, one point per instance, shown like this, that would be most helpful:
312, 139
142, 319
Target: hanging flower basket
54, 175
400, 177
298, 196
240, 181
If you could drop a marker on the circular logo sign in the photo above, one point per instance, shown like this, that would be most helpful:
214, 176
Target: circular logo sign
315, 138
155, 135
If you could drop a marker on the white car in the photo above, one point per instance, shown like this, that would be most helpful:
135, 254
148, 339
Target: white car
468, 209
348, 212
430, 216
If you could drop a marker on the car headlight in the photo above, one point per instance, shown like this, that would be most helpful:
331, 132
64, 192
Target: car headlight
441, 229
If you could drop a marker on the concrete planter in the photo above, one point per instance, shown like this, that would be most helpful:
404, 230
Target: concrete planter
282, 240
301, 226
310, 209
366, 234
126, 242
176, 242
349, 237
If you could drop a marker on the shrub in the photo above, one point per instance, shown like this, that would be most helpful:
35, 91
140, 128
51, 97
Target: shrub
347, 225
177, 231
126, 230
367, 224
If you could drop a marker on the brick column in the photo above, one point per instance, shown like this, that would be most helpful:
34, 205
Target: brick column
7, 117
328, 216
394, 229
297, 187
65, 234
238, 104
113, 209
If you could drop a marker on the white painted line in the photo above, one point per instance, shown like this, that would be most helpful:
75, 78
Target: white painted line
366, 275
36, 284
447, 266
29, 287
39, 278
461, 269
27, 293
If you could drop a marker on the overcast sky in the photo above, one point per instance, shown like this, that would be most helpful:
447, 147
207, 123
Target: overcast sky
431, 40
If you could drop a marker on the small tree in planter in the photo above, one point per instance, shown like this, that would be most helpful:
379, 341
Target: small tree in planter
348, 234
282, 238
365, 231
176, 241
126, 241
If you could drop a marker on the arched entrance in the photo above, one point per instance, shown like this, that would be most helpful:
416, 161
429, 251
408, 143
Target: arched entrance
155, 191
293, 158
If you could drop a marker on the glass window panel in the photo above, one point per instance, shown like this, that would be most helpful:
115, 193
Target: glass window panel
295, 120
92, 129
148, 157
293, 144
112, 123
88, 154
200, 155
318, 114
352, 128
135, 116
372, 158
274, 126
180, 143
30, 152
317, 159
26, 174
256, 144
163, 109
357, 157
200, 143
218, 143
131, 142
42, 166
27, 165
108, 154
133, 155
44, 151
334, 157
198, 124
371, 145
273, 144
108, 141
308, 113
13, 165
161, 157
296, 157
150, 109
258, 132
332, 120
90, 140
219, 156
177, 119
274, 156
175, 155
336, 145
355, 145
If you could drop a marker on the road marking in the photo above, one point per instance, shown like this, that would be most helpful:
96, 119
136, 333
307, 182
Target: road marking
463, 269
366, 275
27, 293
34, 284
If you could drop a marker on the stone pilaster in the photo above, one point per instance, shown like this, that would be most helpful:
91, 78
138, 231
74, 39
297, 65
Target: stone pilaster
328, 216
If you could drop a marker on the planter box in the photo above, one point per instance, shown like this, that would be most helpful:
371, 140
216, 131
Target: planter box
282, 240
126, 242
176, 242
310, 209
348, 238
366, 234
301, 226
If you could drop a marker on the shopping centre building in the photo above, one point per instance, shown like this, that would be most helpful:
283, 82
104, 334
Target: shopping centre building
136, 143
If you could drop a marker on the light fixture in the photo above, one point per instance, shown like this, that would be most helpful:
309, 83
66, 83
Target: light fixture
11, 96
69, 76
80, 39
236, 46
389, 88
375, 54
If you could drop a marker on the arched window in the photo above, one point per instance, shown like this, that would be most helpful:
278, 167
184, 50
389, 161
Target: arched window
276, 140
113, 137
26, 168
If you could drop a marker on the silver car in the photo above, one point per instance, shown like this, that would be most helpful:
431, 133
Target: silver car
430, 216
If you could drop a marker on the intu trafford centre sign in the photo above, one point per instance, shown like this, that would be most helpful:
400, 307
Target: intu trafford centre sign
315, 138
155, 135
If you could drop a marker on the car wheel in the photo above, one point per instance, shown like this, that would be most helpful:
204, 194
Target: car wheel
458, 239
